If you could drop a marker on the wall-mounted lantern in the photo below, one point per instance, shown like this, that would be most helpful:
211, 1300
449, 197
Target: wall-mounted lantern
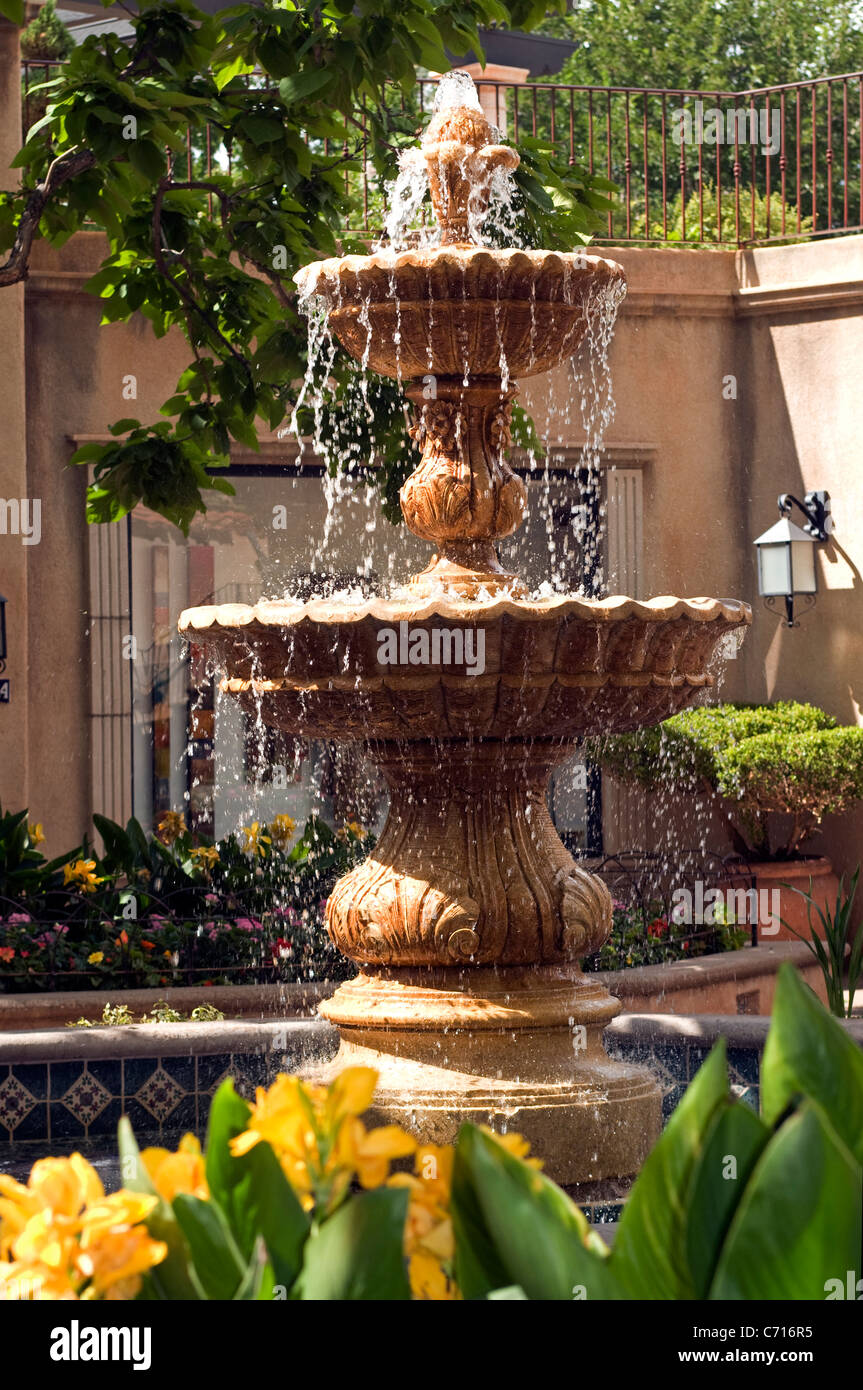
786, 553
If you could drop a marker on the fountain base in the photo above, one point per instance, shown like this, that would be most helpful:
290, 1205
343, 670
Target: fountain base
514, 1047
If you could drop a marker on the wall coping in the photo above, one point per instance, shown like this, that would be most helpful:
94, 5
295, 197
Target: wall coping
746, 1031
313, 1035
747, 963
299, 999
19, 1012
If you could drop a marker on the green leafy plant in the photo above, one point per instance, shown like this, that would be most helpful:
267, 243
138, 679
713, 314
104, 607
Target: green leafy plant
759, 761
785, 1225
758, 219
839, 949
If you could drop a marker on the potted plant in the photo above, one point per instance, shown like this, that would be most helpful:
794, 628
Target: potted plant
775, 770
46, 40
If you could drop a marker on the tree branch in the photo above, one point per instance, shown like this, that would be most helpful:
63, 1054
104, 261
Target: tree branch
67, 166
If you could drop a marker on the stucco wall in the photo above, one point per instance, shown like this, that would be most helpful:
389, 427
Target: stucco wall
785, 322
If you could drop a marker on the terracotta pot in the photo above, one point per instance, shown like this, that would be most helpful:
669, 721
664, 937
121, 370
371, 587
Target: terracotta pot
797, 874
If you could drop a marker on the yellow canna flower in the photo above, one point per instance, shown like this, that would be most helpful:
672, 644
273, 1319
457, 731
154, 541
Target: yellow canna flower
351, 828
515, 1144
95, 957
62, 1238
254, 840
81, 873
318, 1137
182, 1171
115, 1260
172, 824
281, 829
368, 1153
429, 1280
206, 855
351, 1092
35, 833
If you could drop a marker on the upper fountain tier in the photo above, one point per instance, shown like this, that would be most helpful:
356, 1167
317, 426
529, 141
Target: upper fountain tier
553, 668
458, 309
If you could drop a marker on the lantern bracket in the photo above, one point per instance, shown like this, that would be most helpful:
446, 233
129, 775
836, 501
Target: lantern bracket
815, 507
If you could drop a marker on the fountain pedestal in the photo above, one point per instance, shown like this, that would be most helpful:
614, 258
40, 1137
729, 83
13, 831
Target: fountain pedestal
514, 1047
467, 920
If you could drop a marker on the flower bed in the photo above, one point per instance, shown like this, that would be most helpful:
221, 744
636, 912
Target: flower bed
170, 909
648, 934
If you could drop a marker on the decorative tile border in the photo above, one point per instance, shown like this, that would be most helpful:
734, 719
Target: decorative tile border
58, 1087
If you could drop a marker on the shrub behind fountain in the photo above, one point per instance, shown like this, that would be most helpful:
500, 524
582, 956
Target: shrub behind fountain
469, 918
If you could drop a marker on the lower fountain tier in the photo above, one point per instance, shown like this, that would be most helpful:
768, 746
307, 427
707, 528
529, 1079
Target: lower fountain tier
515, 1048
409, 667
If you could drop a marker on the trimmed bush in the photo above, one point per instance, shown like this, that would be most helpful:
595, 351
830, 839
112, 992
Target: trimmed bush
762, 760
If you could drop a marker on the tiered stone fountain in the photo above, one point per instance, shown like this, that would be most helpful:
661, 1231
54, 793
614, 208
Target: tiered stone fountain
469, 918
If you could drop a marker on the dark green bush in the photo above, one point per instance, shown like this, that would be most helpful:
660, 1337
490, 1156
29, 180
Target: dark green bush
763, 760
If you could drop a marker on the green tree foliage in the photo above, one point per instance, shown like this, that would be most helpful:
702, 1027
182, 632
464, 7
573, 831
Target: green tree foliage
710, 44
220, 154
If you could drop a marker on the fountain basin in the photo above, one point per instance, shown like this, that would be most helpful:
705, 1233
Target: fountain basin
461, 310
557, 667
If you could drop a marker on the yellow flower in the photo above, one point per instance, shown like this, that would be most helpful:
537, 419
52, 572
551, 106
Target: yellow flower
368, 1153
182, 1171
81, 873
172, 824
351, 828
35, 833
515, 1144
206, 855
96, 958
281, 829
254, 839
62, 1238
318, 1136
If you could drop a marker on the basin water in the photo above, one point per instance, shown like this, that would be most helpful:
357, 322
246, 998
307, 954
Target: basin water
469, 917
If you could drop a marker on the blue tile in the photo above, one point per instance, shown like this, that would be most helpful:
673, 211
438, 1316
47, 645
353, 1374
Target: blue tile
211, 1069
33, 1126
140, 1119
106, 1122
249, 1069
607, 1211
744, 1065
182, 1118
670, 1100
64, 1125
748, 1094
62, 1075
182, 1069
109, 1074
697, 1055
137, 1070
33, 1075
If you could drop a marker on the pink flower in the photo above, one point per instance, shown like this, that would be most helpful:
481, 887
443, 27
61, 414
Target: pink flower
249, 924
15, 919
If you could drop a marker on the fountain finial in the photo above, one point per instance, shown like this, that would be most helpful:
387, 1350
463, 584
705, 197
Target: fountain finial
461, 156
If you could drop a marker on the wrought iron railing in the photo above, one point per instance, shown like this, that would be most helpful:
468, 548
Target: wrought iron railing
800, 177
